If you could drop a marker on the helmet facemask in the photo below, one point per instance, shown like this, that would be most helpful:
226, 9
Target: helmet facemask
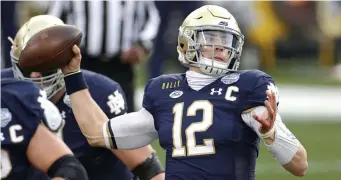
50, 82
214, 49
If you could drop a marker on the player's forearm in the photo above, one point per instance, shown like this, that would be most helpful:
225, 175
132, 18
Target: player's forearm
160, 176
89, 117
129, 131
132, 158
298, 164
143, 162
280, 142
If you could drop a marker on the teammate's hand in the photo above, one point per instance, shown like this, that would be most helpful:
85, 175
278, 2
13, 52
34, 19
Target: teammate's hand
133, 55
75, 62
268, 118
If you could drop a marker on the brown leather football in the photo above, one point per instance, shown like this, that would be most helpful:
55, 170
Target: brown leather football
50, 49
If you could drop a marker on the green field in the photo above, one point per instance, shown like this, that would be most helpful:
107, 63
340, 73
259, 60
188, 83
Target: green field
322, 141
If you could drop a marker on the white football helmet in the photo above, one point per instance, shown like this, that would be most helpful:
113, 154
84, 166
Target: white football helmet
210, 38
50, 82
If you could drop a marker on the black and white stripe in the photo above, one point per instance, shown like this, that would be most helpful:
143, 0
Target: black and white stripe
110, 27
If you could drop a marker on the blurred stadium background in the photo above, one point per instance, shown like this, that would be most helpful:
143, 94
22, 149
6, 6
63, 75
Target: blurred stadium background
299, 44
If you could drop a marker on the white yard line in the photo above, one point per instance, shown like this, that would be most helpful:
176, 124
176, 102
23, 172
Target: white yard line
314, 167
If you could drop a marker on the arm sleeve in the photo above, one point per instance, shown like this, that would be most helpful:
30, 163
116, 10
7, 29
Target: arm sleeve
130, 131
285, 144
254, 124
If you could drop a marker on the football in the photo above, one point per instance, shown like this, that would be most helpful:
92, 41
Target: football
49, 49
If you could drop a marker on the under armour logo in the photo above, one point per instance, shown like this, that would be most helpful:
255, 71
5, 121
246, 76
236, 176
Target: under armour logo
214, 91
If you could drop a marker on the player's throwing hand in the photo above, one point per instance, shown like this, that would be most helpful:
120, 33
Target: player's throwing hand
268, 118
75, 63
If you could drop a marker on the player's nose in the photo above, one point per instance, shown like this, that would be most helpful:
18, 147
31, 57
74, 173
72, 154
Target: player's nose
35, 75
219, 48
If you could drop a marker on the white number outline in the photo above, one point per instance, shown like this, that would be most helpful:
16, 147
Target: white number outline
191, 147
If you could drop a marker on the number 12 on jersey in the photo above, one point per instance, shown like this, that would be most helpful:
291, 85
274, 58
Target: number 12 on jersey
191, 147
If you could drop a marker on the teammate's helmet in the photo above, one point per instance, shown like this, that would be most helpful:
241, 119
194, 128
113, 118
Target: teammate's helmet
203, 32
50, 82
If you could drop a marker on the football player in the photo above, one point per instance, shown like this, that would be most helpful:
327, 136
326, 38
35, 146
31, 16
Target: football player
210, 119
25, 141
100, 163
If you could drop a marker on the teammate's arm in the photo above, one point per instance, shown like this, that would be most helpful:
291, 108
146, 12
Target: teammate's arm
143, 162
278, 139
50, 155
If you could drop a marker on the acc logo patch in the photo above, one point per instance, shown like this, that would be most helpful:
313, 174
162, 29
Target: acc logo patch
6, 117
230, 78
176, 94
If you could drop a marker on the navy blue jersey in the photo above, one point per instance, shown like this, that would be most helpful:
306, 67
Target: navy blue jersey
202, 131
100, 163
21, 113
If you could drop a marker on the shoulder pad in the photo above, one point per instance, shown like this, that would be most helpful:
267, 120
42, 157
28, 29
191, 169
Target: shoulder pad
52, 118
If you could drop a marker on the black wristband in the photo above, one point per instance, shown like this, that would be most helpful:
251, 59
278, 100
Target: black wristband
74, 82
149, 168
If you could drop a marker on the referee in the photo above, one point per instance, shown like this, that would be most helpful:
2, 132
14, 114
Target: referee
116, 35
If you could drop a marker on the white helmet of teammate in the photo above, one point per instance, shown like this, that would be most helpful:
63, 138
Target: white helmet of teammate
210, 38
50, 82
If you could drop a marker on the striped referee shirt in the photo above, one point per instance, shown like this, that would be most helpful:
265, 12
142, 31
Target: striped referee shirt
110, 27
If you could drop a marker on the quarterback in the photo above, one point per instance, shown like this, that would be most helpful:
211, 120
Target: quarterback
209, 119
100, 163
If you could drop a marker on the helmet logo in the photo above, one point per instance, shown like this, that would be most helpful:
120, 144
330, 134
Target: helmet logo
223, 23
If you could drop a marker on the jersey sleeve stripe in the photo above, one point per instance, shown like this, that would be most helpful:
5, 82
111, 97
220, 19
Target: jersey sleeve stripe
112, 137
106, 135
109, 137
